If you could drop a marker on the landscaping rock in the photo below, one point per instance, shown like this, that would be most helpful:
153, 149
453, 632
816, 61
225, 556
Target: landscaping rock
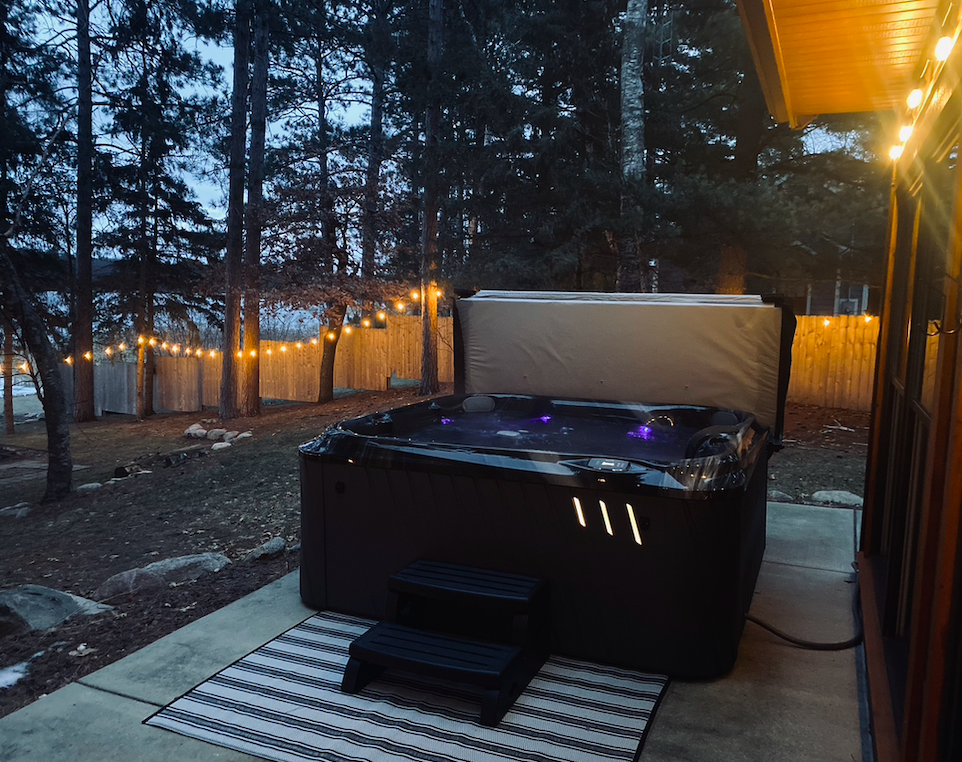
216, 434
220, 446
18, 511
231, 435
245, 435
187, 568
837, 497
40, 608
89, 487
780, 497
129, 582
196, 431
270, 549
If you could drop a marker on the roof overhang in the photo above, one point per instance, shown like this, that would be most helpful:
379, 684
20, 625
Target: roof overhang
838, 56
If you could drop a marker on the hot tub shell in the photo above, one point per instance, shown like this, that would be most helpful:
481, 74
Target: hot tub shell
663, 587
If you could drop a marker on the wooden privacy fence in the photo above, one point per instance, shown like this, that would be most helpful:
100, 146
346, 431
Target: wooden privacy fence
833, 365
833, 361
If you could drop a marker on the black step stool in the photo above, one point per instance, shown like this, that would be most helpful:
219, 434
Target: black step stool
502, 669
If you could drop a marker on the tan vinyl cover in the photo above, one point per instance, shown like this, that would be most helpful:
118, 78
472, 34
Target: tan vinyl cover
660, 348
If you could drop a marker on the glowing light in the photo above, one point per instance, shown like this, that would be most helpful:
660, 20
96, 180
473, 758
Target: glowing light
366, 323
253, 353
212, 353
175, 349
868, 318
152, 342
108, 351
826, 322
634, 524
199, 353
122, 347
164, 345
140, 339
943, 47
895, 152
381, 316
581, 515
915, 98
88, 355
604, 515
348, 329
439, 293
905, 133
545, 418
299, 345
313, 341
415, 296
445, 421
24, 367
399, 306
68, 360
331, 336
240, 353
642, 432
283, 347
269, 352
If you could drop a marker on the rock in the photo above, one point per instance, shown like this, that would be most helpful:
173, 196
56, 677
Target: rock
128, 583
40, 608
90, 487
270, 549
216, 433
231, 435
837, 497
186, 568
779, 497
175, 459
245, 435
193, 429
220, 446
18, 511
196, 433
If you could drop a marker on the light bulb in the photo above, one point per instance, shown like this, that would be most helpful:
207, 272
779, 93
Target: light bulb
915, 98
905, 133
943, 47
895, 152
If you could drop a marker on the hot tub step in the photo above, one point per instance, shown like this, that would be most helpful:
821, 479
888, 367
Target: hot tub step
502, 671
434, 584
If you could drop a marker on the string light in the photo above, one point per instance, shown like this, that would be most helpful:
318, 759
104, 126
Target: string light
331, 336
868, 318
269, 352
212, 353
896, 152
299, 345
905, 133
199, 353
915, 98
68, 360
253, 353
943, 47
381, 316
400, 306
123, 347
415, 296
24, 367
348, 329
152, 342
140, 339
88, 355
826, 322
162, 346
283, 348
313, 341
108, 351
366, 323
175, 349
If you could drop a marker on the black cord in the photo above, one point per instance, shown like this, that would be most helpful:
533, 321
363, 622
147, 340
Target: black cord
813, 646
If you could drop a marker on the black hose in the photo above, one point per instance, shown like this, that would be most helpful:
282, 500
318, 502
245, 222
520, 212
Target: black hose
814, 646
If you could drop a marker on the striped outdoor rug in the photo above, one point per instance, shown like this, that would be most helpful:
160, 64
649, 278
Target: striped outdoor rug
283, 702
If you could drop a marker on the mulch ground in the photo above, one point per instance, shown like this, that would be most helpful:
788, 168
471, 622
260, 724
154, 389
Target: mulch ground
229, 502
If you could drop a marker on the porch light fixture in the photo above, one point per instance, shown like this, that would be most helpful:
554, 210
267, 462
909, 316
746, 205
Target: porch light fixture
896, 152
915, 98
943, 47
905, 133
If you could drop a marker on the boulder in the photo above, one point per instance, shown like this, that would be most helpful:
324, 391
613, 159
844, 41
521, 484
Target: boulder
40, 608
220, 446
780, 497
129, 582
216, 434
18, 511
231, 435
90, 487
195, 430
837, 497
187, 568
245, 435
270, 549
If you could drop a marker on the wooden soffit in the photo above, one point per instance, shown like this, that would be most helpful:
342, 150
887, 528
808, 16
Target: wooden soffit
837, 56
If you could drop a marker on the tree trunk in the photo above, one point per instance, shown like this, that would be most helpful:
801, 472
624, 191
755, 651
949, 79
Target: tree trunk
335, 318
251, 404
234, 257
380, 37
54, 399
8, 367
83, 337
633, 167
732, 270
430, 264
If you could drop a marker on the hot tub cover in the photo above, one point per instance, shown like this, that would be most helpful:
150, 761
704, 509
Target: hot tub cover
689, 349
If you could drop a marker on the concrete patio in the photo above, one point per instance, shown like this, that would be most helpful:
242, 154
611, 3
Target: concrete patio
779, 702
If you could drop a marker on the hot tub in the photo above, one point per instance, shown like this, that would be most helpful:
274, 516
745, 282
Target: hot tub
648, 520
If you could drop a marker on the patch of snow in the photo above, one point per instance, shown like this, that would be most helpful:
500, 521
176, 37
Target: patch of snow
10, 676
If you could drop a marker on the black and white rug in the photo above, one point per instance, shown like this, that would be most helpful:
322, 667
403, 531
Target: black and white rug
283, 702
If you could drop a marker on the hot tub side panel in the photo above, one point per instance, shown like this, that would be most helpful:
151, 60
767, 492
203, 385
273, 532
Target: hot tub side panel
673, 603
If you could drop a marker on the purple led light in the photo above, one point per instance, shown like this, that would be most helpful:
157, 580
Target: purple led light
545, 418
642, 432
445, 421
